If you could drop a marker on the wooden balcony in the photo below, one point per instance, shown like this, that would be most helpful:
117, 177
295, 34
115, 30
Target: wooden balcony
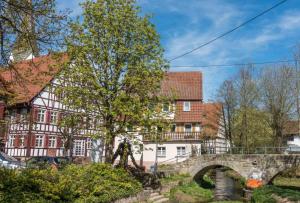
174, 136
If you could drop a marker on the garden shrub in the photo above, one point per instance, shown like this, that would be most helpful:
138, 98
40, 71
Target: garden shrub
90, 183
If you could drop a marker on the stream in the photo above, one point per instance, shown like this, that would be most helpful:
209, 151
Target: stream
226, 188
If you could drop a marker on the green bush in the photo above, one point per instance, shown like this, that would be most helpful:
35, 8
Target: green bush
91, 183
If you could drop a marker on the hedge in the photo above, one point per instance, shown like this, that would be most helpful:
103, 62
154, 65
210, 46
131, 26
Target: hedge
90, 183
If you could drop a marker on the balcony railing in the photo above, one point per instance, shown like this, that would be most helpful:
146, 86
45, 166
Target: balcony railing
174, 136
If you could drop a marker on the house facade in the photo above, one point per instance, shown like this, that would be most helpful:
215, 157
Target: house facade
195, 125
32, 118
292, 136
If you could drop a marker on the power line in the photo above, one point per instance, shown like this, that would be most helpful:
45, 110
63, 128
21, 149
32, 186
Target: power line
236, 64
229, 31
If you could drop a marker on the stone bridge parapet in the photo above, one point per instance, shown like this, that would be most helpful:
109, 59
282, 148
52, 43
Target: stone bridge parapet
259, 166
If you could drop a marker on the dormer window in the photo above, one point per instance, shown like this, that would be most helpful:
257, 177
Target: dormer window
186, 106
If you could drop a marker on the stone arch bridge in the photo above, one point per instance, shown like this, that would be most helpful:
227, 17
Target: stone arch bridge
261, 166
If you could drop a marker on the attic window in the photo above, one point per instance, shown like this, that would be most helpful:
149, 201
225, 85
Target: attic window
186, 106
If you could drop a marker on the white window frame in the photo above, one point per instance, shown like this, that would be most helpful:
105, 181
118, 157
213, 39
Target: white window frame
53, 117
161, 151
186, 128
39, 141
181, 151
41, 116
11, 141
79, 147
52, 142
186, 106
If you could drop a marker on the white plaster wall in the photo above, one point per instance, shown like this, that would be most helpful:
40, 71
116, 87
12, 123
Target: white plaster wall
149, 153
295, 142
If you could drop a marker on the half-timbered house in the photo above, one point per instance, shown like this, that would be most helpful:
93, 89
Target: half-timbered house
32, 115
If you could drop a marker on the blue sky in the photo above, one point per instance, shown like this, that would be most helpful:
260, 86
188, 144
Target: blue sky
186, 24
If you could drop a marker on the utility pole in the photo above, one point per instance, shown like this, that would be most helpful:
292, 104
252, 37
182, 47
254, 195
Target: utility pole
297, 86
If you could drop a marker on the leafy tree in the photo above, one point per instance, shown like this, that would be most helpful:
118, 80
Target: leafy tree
259, 133
228, 97
277, 98
115, 68
248, 97
27, 27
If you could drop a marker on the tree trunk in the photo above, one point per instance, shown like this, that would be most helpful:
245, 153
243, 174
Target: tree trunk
109, 149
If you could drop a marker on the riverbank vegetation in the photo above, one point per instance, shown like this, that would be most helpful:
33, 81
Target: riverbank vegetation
90, 183
190, 192
268, 194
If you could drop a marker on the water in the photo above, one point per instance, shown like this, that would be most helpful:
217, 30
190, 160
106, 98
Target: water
226, 188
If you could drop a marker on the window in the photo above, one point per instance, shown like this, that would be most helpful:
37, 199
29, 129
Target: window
173, 128
161, 151
13, 116
53, 117
89, 143
186, 106
166, 107
290, 138
23, 114
11, 141
52, 142
41, 116
188, 128
22, 141
79, 148
197, 127
129, 128
39, 141
181, 151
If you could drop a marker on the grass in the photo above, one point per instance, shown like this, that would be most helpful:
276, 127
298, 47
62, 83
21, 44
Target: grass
287, 182
174, 178
226, 202
263, 195
190, 193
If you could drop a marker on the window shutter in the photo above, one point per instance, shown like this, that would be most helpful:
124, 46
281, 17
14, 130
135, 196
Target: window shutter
59, 117
18, 115
46, 141
32, 144
25, 140
2, 110
34, 112
59, 142
48, 114
16, 141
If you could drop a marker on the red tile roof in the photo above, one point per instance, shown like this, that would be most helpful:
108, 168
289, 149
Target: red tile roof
291, 127
183, 85
27, 78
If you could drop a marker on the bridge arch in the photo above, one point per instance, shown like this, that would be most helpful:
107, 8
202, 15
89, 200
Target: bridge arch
271, 175
198, 171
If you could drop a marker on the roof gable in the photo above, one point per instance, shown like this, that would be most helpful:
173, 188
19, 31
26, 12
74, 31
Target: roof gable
27, 78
